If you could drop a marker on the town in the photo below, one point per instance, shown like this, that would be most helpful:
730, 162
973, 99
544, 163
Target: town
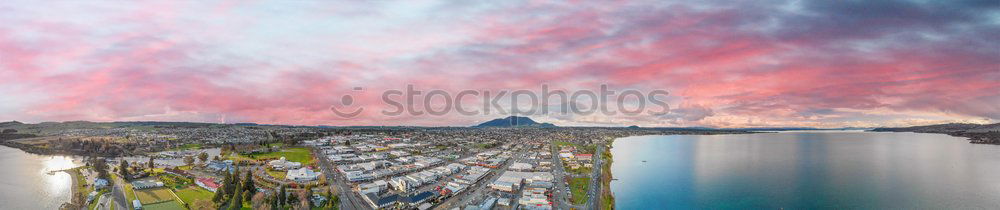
248, 166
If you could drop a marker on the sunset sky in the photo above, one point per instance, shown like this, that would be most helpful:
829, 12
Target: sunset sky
725, 64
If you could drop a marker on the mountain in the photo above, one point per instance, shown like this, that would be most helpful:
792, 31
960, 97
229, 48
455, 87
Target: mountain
513, 121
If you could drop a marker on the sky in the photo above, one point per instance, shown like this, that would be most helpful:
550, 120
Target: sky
724, 63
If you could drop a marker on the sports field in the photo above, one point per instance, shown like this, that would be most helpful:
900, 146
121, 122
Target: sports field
169, 205
150, 196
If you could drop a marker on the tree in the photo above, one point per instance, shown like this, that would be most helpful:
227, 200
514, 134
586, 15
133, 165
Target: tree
189, 160
292, 199
123, 169
281, 196
247, 194
219, 196
237, 202
203, 157
248, 184
151, 165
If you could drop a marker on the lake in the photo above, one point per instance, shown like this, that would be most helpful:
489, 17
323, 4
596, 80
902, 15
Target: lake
26, 184
805, 170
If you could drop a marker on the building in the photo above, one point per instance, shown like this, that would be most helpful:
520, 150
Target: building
220, 166
521, 166
146, 184
282, 164
100, 183
207, 183
302, 175
584, 157
377, 202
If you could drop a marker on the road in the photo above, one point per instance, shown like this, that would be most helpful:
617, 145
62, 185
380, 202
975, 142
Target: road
339, 184
118, 192
595, 181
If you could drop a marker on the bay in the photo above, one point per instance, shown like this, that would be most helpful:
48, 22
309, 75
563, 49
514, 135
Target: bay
805, 170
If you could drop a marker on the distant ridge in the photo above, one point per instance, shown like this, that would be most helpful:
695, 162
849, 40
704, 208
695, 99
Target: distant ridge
976, 133
5, 124
514, 121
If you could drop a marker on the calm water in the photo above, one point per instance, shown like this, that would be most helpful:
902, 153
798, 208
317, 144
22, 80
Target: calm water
25, 184
808, 170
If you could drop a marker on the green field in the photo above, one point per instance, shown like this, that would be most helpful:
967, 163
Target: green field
156, 195
167, 205
302, 155
581, 170
279, 175
579, 187
188, 146
191, 194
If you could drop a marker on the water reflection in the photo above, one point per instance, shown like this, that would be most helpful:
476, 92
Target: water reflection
805, 170
26, 184
59, 182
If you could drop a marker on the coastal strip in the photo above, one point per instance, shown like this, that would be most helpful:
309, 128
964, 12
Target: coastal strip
607, 199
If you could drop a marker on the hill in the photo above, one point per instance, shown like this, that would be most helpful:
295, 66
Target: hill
513, 121
977, 133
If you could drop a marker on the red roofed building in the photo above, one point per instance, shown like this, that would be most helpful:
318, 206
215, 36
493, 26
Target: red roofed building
207, 183
586, 157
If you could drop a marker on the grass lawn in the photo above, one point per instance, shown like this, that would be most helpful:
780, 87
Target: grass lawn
579, 188
174, 181
168, 205
191, 194
302, 155
581, 170
188, 146
157, 195
280, 175
129, 193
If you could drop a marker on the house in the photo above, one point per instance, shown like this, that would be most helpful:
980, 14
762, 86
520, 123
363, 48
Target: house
100, 183
302, 175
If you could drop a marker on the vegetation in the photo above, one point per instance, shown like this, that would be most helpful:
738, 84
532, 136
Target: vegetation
302, 155
192, 195
189, 146
579, 187
607, 199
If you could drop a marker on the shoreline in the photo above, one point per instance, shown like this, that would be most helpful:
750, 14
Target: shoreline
607, 198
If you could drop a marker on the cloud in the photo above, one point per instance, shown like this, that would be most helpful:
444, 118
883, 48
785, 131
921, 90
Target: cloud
730, 64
